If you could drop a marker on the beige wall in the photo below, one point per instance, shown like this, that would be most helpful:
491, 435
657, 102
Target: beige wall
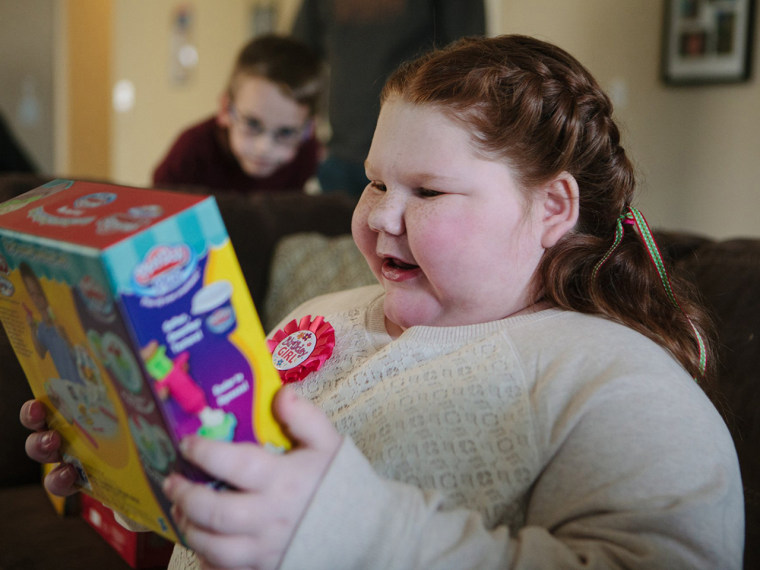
697, 149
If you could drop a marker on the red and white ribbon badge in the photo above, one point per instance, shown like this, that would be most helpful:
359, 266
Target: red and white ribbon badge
302, 347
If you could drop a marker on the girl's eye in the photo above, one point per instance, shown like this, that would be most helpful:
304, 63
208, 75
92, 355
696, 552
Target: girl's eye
378, 186
427, 193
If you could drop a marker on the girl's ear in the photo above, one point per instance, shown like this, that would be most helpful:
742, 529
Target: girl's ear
223, 111
559, 208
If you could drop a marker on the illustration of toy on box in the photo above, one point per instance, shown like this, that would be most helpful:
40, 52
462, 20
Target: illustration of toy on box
130, 316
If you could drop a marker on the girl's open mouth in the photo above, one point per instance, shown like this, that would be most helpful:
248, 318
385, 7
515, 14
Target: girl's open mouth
396, 270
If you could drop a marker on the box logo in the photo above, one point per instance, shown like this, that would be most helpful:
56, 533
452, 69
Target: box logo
164, 269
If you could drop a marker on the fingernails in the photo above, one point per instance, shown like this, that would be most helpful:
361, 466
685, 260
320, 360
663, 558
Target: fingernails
66, 475
25, 415
47, 440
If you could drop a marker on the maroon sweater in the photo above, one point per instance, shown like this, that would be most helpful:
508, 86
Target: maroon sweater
201, 157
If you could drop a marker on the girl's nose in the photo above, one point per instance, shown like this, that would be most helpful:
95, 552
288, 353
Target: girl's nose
387, 213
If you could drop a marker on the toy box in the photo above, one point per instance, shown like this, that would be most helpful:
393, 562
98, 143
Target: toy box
138, 549
132, 321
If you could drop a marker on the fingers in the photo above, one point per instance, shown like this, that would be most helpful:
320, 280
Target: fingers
231, 551
225, 528
249, 466
218, 511
32, 415
304, 423
241, 465
60, 481
44, 446
252, 525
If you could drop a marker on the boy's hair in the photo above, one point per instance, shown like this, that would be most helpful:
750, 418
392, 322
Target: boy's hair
535, 107
295, 68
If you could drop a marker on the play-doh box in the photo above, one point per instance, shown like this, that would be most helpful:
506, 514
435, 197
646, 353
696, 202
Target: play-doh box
131, 319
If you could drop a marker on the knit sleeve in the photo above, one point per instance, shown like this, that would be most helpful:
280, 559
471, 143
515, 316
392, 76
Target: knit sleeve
359, 520
634, 519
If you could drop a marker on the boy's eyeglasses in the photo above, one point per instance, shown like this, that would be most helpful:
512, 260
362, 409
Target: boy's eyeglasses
252, 127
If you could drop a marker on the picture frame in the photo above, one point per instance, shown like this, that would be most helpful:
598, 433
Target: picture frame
707, 41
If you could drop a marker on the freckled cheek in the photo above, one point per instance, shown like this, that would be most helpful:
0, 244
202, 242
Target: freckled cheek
434, 239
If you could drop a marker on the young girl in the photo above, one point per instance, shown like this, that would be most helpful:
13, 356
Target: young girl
518, 390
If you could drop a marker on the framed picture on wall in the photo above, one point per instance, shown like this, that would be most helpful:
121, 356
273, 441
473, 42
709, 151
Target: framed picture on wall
707, 41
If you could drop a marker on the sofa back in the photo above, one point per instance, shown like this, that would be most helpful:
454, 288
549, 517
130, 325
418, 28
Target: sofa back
726, 273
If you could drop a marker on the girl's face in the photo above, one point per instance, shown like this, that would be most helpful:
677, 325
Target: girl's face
266, 127
446, 232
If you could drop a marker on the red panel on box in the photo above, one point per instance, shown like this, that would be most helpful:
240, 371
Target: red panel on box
138, 549
91, 214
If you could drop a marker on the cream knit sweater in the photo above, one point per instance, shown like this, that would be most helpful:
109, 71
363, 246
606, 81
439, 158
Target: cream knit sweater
549, 440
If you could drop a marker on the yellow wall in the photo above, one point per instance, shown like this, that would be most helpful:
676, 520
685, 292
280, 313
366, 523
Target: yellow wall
88, 48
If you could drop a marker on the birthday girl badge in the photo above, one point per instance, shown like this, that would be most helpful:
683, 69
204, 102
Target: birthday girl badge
302, 347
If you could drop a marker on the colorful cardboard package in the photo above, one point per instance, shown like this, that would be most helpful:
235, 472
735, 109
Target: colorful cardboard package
130, 316
138, 549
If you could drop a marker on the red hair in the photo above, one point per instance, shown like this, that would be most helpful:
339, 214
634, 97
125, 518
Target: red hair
535, 107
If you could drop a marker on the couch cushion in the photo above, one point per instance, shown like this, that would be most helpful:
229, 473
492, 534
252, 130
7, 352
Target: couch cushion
727, 274
311, 264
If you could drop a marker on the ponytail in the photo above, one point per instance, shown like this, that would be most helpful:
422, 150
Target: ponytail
533, 106
628, 282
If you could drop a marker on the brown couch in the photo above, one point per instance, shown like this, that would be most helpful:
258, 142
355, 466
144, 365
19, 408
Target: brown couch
726, 272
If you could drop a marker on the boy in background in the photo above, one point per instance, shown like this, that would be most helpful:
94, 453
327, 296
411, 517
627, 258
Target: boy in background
262, 136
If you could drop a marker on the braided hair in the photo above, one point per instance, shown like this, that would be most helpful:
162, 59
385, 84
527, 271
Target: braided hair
532, 105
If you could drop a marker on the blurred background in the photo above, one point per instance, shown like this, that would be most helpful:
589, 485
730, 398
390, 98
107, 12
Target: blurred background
100, 89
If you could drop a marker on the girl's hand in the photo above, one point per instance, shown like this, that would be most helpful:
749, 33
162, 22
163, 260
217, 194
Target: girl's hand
250, 527
44, 446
